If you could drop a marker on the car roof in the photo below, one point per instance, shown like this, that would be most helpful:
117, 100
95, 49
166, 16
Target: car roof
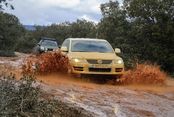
46, 38
91, 39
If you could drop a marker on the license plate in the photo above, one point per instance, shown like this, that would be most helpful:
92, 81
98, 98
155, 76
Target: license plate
100, 66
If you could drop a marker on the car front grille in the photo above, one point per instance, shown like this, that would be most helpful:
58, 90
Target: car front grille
91, 61
99, 69
49, 49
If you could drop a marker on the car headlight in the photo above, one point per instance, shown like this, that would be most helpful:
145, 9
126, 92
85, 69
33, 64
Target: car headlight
118, 61
77, 60
42, 48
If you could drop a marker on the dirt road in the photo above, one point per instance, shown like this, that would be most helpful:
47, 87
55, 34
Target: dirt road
110, 101
104, 100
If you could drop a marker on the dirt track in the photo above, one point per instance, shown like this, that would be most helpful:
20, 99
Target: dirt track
104, 100
110, 101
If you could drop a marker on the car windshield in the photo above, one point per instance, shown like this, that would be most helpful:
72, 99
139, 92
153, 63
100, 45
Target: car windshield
49, 43
91, 46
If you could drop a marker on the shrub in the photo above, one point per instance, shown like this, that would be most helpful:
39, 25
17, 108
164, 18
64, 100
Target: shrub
23, 99
144, 74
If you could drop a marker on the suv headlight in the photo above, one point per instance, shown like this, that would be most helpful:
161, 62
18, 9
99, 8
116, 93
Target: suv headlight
118, 61
78, 60
42, 48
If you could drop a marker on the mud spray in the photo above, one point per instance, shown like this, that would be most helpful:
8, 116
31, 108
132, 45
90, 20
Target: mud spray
46, 63
144, 74
55, 64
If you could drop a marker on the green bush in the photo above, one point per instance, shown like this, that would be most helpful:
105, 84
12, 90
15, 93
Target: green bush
23, 99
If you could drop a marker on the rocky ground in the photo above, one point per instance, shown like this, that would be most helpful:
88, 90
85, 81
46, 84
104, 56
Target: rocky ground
103, 100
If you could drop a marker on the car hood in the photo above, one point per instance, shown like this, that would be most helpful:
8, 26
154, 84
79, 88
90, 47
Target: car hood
93, 55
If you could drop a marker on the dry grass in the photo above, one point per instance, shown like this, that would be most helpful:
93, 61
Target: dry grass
144, 74
50, 62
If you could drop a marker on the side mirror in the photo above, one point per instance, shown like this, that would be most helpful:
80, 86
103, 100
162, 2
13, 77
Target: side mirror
38, 44
64, 49
117, 51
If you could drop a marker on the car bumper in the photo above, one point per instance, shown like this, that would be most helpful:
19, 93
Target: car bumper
49, 49
98, 69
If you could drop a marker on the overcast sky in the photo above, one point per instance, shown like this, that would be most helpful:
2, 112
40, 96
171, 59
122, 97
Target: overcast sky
45, 12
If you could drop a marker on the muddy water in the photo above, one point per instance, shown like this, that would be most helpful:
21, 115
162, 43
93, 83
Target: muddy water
56, 79
109, 100
105, 100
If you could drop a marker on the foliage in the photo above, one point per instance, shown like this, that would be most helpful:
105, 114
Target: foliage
115, 28
23, 99
80, 28
10, 31
5, 3
26, 43
143, 29
113, 25
152, 30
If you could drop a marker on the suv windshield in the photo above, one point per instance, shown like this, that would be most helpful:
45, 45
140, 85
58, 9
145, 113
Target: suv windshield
91, 46
49, 43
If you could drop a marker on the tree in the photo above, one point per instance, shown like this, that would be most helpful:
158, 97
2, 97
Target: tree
5, 3
143, 29
83, 29
26, 43
78, 29
152, 30
114, 27
10, 31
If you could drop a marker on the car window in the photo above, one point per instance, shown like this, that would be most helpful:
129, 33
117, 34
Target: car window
91, 46
49, 43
